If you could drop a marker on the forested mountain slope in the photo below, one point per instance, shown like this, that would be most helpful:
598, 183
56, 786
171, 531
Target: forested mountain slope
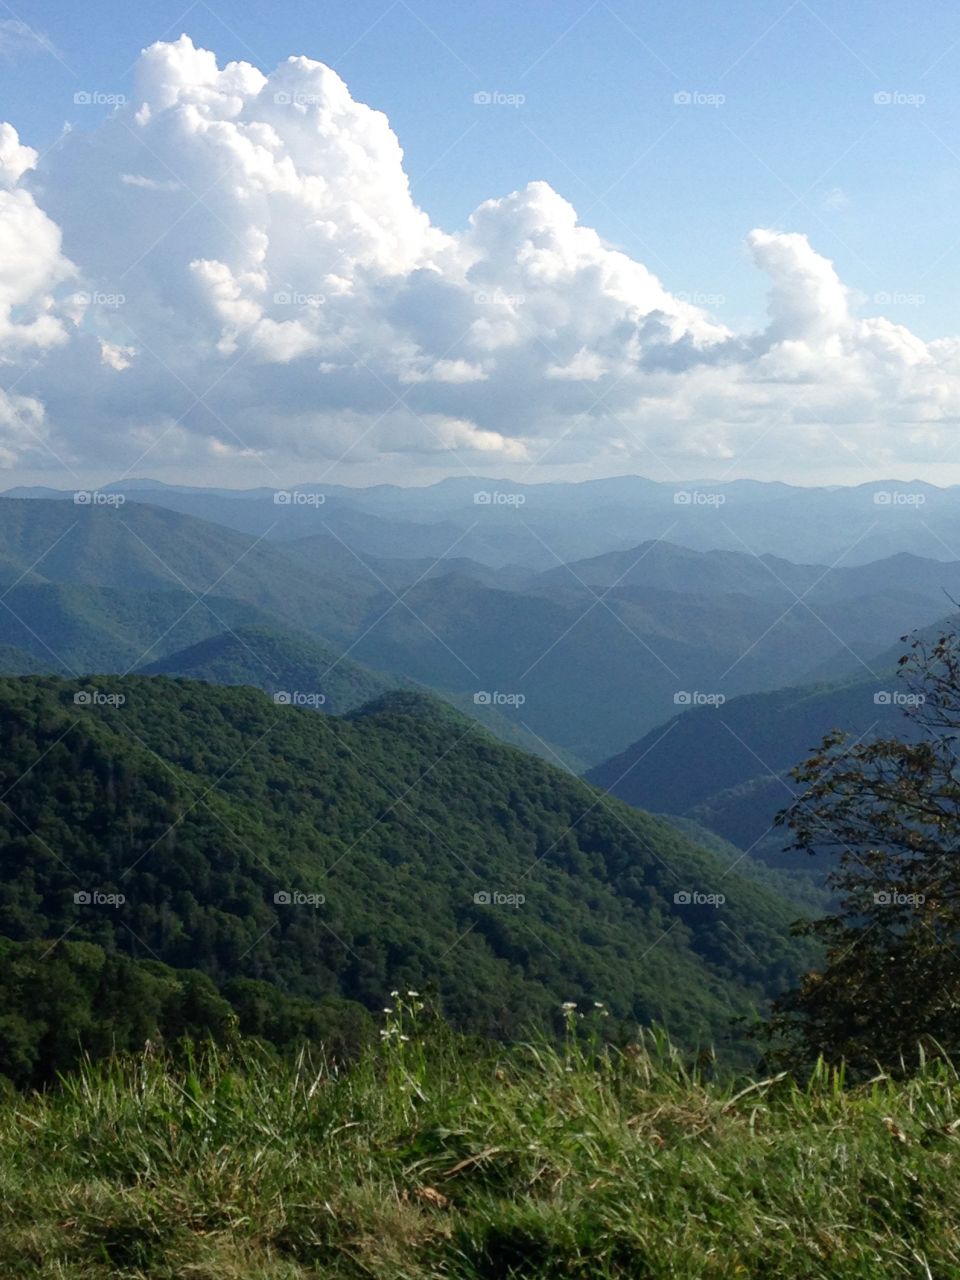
414, 850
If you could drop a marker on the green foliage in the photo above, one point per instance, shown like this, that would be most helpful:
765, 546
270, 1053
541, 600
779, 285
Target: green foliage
277, 662
888, 811
138, 548
290, 662
200, 805
433, 1156
66, 1001
68, 629
19, 662
796, 883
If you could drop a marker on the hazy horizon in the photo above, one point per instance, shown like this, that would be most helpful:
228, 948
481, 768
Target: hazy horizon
304, 481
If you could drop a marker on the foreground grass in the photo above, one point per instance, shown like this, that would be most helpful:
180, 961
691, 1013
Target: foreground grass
450, 1161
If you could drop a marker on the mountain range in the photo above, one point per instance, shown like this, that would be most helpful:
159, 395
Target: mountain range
726, 768
578, 660
330, 707
499, 521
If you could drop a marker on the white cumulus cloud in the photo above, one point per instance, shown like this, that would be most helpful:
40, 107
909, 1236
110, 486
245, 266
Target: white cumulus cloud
231, 268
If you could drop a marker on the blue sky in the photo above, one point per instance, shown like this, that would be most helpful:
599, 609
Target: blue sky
761, 278
798, 144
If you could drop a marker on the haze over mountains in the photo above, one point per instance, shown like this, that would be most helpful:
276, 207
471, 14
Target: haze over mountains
672, 651
726, 767
502, 521
578, 658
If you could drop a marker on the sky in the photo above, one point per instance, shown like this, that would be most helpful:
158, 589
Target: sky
550, 241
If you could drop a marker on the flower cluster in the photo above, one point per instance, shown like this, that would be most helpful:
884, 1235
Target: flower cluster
401, 1016
569, 1009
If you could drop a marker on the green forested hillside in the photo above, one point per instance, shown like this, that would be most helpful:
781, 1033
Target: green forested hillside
406, 846
727, 767
69, 629
279, 662
798, 881
15, 661
303, 667
139, 548
62, 1001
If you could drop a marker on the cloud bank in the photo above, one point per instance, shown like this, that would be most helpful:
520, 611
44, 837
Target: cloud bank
230, 271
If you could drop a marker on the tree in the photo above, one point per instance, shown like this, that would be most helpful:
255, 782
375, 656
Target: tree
889, 811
